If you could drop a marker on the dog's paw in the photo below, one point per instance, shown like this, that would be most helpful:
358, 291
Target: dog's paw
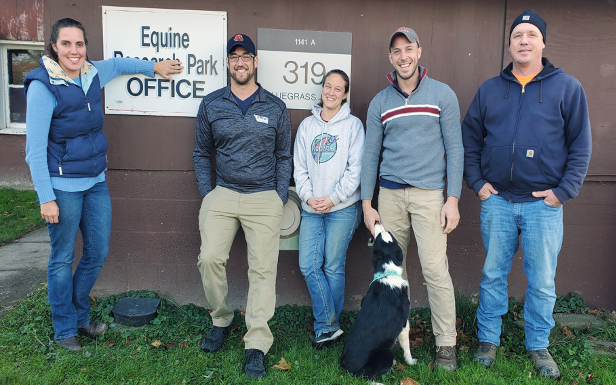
412, 361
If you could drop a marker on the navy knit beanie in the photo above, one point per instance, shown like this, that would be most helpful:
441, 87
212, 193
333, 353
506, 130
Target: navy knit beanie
531, 17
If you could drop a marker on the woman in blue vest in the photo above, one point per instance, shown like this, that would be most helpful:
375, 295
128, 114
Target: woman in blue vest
66, 151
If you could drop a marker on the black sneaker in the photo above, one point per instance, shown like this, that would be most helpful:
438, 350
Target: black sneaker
255, 364
325, 339
213, 341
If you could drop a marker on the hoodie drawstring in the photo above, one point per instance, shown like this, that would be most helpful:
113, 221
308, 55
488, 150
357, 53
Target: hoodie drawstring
507, 94
541, 92
320, 143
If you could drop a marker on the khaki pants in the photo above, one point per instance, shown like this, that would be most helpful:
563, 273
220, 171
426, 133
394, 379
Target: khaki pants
400, 209
260, 214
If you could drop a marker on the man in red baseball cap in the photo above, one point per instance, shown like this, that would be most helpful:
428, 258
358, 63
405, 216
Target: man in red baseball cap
249, 130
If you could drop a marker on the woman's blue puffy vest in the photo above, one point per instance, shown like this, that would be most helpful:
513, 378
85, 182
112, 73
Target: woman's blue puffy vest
77, 145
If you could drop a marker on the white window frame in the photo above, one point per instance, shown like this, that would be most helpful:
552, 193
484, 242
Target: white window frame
6, 127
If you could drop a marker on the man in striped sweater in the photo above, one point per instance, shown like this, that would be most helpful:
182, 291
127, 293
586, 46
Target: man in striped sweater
416, 121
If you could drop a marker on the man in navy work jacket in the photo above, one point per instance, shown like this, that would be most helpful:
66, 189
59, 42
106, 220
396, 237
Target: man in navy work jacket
527, 144
249, 130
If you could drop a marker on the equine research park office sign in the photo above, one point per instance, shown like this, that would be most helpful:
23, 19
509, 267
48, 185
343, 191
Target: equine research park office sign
197, 38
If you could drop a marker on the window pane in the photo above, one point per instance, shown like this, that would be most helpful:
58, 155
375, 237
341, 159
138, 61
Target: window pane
22, 61
17, 105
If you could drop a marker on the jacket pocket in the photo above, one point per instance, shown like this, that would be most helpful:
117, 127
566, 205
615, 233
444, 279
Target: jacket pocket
528, 171
496, 168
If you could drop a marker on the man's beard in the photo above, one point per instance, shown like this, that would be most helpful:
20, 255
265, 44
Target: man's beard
243, 82
409, 76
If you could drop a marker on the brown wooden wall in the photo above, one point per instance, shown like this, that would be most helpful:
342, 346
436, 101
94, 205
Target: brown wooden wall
21, 20
155, 239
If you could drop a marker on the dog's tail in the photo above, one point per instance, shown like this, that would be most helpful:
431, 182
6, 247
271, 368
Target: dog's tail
380, 229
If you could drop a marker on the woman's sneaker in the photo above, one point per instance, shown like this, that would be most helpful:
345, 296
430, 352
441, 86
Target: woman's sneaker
325, 339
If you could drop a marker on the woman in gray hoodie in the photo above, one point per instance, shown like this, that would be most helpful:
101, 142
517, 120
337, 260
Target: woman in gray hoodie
327, 159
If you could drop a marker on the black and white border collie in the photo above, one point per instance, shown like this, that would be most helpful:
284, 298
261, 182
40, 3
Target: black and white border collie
383, 316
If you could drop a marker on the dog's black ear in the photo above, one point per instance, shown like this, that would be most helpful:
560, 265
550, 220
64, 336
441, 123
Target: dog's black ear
398, 251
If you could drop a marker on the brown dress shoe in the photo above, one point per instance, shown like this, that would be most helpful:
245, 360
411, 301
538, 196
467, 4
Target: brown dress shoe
93, 329
71, 344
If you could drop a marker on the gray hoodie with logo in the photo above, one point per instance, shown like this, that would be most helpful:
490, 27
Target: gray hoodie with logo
327, 158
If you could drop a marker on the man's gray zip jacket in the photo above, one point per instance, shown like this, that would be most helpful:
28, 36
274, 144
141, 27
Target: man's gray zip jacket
253, 151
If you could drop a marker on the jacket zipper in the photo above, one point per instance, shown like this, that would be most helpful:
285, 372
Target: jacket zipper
515, 137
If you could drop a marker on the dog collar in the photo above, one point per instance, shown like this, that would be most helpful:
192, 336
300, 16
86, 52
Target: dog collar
384, 274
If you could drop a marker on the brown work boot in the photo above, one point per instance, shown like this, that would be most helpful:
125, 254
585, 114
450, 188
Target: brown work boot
486, 354
71, 344
446, 358
93, 329
544, 363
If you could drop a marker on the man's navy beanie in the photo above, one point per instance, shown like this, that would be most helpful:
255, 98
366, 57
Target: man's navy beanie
531, 17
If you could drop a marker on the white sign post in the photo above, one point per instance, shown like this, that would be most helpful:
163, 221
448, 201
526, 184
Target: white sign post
197, 38
292, 63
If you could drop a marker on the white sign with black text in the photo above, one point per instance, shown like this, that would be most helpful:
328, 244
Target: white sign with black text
197, 38
292, 63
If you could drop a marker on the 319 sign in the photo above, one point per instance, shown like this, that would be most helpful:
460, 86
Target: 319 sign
292, 64
318, 74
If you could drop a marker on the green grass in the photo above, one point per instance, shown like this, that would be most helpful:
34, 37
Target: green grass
19, 214
125, 355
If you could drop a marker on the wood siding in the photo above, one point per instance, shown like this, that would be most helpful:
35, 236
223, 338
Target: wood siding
155, 239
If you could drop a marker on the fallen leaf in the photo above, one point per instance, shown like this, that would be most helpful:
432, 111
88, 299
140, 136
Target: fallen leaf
431, 365
311, 327
282, 365
243, 313
183, 344
566, 330
93, 298
109, 343
408, 381
593, 311
83, 369
413, 332
169, 345
463, 348
581, 374
465, 338
156, 343
417, 342
590, 377
574, 383
458, 322
400, 367
127, 341
515, 314
209, 312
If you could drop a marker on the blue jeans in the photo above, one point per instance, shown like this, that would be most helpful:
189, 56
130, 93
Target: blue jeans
90, 212
540, 228
323, 243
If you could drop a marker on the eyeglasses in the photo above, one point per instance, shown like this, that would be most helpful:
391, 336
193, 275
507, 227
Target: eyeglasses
245, 57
